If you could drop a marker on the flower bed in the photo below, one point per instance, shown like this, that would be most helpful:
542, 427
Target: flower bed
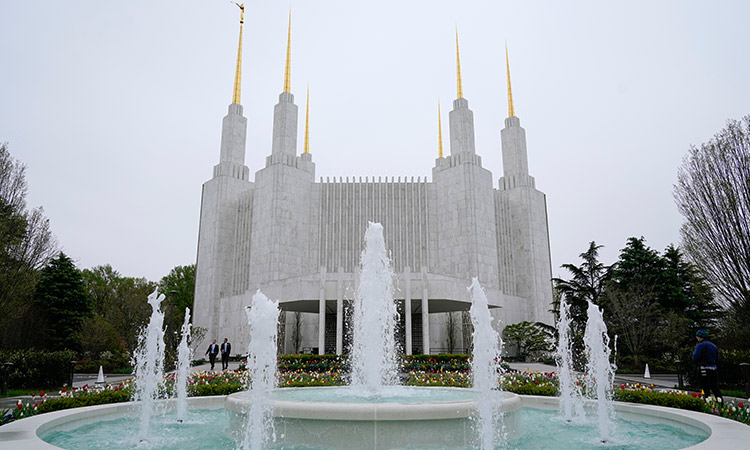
223, 383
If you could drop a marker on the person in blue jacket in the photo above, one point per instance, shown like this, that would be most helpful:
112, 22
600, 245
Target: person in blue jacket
706, 358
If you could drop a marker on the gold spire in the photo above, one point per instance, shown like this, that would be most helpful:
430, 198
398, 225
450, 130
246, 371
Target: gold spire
511, 113
238, 72
458, 69
288, 70
307, 122
440, 133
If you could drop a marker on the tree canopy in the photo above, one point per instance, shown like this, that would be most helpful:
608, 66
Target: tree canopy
713, 195
653, 302
26, 245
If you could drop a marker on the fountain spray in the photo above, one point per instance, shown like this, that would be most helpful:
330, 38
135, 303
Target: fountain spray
487, 347
148, 361
373, 353
263, 318
184, 355
600, 370
571, 397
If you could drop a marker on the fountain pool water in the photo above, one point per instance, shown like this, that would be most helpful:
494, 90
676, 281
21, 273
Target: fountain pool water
208, 425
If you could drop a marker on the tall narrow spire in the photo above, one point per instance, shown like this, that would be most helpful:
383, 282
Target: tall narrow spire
458, 69
288, 70
511, 113
238, 71
307, 122
440, 133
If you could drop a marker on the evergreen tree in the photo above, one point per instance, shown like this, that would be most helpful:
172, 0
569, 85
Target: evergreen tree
62, 297
655, 302
586, 285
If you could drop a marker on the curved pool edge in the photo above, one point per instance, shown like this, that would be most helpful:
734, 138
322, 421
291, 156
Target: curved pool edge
24, 433
723, 433
373, 411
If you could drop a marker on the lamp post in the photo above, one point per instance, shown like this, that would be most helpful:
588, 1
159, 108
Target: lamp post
745, 370
72, 369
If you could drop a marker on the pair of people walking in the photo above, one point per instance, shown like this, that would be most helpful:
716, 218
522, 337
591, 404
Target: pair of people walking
213, 352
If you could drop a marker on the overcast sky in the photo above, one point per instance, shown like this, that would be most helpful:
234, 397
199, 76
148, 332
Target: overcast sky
116, 107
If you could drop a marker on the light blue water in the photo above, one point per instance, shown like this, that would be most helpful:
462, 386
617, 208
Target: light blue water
209, 429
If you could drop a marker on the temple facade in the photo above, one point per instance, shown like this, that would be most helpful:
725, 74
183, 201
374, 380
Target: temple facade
299, 239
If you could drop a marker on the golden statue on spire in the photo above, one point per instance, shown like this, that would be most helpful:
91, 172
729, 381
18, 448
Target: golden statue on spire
238, 72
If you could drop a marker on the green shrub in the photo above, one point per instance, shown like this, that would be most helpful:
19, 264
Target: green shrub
38, 369
436, 363
338, 382
56, 404
659, 399
532, 389
203, 390
313, 363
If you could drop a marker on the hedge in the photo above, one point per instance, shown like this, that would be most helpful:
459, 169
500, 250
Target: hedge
37, 369
339, 363
532, 389
56, 404
436, 363
203, 390
660, 399
313, 363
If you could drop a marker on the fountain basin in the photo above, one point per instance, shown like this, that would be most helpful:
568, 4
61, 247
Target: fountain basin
723, 433
398, 417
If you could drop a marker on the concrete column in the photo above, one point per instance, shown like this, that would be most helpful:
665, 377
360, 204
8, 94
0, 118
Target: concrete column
425, 314
407, 310
322, 313
340, 312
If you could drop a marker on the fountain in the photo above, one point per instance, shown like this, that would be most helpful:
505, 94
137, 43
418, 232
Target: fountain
373, 354
571, 398
484, 364
148, 362
600, 374
262, 316
370, 416
184, 355
373, 412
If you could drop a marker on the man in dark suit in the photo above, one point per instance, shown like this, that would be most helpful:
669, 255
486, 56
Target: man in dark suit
226, 347
212, 351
